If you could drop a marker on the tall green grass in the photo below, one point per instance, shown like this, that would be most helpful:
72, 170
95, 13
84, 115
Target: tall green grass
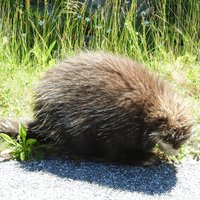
34, 35
44, 31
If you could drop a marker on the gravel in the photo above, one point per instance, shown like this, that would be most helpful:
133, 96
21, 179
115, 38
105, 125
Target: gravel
66, 179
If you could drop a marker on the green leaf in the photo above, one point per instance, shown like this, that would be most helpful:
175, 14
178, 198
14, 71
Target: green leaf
8, 139
51, 46
31, 141
22, 132
22, 156
19, 138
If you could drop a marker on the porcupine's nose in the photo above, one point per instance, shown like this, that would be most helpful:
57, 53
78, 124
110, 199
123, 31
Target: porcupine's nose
168, 149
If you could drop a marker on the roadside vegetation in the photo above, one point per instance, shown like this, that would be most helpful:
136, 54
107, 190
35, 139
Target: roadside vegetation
33, 36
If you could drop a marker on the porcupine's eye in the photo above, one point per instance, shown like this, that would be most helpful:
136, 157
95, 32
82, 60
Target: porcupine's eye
167, 139
176, 146
174, 141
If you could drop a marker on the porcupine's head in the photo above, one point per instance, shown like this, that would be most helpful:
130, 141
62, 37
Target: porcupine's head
171, 123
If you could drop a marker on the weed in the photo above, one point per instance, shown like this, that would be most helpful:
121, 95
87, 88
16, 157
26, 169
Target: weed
21, 149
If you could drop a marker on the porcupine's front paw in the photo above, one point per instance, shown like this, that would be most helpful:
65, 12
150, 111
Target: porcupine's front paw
152, 159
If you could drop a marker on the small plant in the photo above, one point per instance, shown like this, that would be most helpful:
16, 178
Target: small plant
21, 149
170, 158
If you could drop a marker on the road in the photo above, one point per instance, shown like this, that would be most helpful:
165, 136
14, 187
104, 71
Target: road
70, 180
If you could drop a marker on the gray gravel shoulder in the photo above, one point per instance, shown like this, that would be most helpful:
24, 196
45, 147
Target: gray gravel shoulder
66, 179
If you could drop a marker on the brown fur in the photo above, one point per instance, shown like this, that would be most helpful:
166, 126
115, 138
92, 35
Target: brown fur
107, 106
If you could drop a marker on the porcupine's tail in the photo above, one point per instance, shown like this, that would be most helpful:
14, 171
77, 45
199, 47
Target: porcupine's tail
9, 127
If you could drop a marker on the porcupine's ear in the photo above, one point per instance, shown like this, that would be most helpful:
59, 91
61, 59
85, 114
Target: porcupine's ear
156, 120
160, 121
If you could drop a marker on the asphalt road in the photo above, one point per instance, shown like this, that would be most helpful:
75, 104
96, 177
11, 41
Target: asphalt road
69, 180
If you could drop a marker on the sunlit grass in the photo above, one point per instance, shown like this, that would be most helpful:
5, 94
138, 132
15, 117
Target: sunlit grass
32, 38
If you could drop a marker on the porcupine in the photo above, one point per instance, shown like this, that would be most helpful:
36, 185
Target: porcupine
102, 105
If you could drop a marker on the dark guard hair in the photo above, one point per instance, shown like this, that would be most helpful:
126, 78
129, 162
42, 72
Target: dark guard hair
106, 106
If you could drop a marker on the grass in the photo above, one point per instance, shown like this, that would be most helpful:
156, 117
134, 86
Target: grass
34, 37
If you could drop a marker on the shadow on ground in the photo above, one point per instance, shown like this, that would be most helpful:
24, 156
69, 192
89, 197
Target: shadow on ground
151, 180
